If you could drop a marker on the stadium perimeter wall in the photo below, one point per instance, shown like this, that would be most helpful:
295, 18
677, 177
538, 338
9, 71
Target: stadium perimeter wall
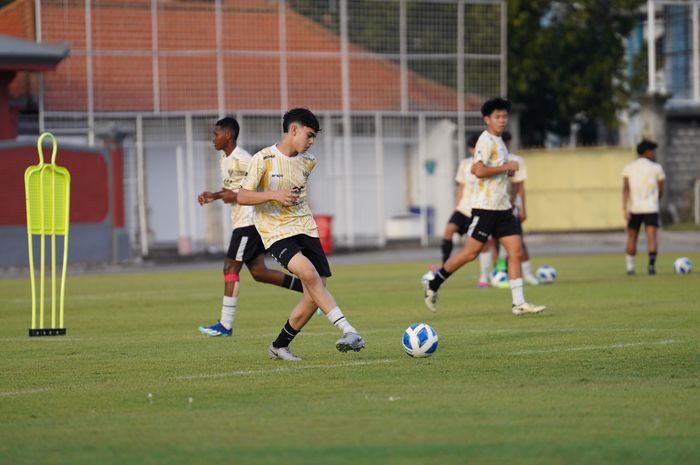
575, 189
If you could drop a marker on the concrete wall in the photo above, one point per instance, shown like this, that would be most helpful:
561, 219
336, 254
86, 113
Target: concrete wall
575, 189
681, 163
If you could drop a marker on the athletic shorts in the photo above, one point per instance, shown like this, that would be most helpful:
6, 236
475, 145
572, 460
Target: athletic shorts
460, 220
496, 223
636, 220
284, 249
245, 244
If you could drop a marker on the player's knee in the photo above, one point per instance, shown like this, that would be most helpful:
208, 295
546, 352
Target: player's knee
309, 277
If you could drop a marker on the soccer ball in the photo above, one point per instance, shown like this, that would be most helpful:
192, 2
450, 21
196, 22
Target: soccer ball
420, 340
498, 278
683, 265
546, 274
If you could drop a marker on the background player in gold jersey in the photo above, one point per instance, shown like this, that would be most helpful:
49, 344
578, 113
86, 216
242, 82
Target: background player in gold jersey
245, 245
492, 213
643, 184
276, 185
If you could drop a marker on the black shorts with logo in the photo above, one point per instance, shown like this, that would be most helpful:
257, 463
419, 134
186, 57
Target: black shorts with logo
649, 219
496, 223
284, 249
460, 220
245, 244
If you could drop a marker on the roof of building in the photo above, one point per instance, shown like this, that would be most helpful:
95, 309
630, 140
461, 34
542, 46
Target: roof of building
24, 55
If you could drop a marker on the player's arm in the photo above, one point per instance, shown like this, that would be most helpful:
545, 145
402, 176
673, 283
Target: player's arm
661, 187
523, 206
482, 171
285, 197
625, 197
228, 196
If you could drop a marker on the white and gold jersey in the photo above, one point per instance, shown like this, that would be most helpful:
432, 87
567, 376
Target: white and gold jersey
233, 168
491, 193
271, 170
643, 176
465, 177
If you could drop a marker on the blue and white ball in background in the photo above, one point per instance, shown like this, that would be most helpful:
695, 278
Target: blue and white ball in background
546, 274
420, 340
498, 278
682, 265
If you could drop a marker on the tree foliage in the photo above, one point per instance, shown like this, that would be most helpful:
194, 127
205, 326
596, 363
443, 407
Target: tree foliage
566, 62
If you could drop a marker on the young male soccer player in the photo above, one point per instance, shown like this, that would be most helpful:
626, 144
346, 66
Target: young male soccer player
276, 185
492, 213
246, 245
643, 184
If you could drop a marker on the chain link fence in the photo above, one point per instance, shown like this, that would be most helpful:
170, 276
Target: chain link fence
396, 84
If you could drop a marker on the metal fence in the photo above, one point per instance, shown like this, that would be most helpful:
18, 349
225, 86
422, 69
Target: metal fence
396, 83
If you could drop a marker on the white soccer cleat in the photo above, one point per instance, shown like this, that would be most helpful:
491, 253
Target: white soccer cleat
527, 308
430, 297
350, 341
282, 353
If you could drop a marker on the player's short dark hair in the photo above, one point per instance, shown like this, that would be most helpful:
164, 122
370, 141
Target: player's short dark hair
302, 116
494, 104
230, 124
473, 139
506, 136
645, 145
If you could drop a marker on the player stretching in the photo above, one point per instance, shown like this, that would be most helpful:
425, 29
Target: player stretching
246, 245
491, 210
643, 184
276, 185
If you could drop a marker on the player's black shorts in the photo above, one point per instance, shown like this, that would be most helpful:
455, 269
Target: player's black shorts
636, 220
496, 223
460, 220
284, 249
245, 244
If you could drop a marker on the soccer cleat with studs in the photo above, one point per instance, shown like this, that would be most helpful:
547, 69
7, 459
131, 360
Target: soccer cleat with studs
215, 330
350, 341
527, 308
282, 353
430, 297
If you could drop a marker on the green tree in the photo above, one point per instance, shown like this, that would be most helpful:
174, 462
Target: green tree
566, 62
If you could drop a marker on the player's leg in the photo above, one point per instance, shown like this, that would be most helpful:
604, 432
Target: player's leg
526, 266
301, 314
633, 226
477, 234
224, 327
485, 264
262, 273
508, 232
447, 245
651, 226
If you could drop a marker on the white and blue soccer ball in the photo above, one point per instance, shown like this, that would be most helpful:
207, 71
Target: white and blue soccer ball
498, 278
682, 265
420, 340
546, 274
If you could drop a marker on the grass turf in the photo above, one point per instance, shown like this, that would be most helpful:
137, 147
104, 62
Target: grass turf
608, 374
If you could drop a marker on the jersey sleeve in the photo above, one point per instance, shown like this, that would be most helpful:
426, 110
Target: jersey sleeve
626, 171
482, 152
521, 174
661, 175
254, 173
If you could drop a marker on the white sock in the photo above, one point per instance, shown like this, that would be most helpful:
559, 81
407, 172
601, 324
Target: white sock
629, 260
526, 267
516, 289
484, 265
336, 317
228, 311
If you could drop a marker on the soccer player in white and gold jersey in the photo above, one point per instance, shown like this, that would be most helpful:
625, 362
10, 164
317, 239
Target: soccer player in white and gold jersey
643, 184
245, 245
492, 213
276, 185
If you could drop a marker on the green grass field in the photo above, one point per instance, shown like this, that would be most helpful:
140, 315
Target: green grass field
609, 374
